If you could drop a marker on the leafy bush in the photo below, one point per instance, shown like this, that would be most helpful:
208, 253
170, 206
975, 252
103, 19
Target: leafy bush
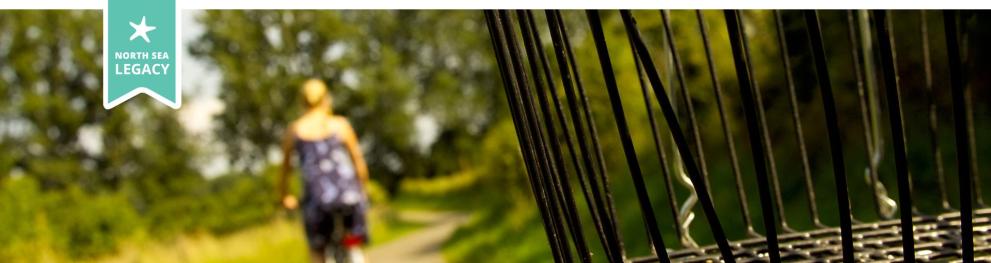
20, 206
75, 224
237, 201
90, 225
72, 222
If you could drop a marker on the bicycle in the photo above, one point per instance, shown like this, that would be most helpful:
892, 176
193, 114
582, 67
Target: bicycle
343, 248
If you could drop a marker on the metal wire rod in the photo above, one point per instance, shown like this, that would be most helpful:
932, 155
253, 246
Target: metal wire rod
679, 138
884, 210
643, 198
833, 131
686, 97
572, 84
978, 196
771, 160
961, 124
882, 28
558, 178
933, 110
883, 204
650, 220
730, 142
796, 120
683, 236
591, 202
694, 134
589, 121
533, 122
744, 77
511, 84
969, 110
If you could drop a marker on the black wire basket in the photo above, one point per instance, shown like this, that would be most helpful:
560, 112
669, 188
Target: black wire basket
560, 141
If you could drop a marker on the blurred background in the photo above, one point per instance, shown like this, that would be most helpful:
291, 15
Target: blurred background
145, 183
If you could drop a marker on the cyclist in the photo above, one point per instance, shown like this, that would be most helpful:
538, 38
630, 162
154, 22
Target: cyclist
333, 174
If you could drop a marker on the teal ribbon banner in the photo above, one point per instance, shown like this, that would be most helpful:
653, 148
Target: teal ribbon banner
140, 40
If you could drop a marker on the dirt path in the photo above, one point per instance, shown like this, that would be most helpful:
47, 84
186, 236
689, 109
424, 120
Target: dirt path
422, 246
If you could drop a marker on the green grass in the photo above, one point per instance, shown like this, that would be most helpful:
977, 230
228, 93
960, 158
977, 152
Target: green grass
281, 240
387, 226
516, 235
503, 220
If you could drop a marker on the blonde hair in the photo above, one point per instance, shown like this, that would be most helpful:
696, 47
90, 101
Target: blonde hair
315, 92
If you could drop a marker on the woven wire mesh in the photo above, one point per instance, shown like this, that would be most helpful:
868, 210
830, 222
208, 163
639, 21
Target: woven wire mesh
937, 239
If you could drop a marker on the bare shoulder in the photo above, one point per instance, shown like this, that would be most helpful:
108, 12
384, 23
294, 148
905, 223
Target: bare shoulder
340, 122
342, 125
340, 119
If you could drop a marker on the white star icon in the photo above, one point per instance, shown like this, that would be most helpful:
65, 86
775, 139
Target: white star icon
141, 30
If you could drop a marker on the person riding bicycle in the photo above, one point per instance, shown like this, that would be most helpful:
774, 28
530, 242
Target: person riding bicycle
334, 175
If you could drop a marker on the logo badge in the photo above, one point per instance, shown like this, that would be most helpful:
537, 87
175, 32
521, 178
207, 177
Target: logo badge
140, 54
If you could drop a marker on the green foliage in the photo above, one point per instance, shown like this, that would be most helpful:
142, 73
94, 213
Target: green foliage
90, 177
237, 201
21, 204
91, 225
49, 103
77, 224
516, 235
82, 225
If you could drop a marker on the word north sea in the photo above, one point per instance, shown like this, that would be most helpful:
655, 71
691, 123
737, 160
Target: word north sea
141, 68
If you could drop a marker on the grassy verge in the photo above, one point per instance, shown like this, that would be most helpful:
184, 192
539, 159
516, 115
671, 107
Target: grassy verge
516, 235
281, 240
503, 220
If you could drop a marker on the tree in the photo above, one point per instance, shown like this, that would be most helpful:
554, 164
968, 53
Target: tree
53, 84
100, 173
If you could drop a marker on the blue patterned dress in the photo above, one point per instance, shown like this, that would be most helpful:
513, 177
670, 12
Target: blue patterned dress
330, 187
